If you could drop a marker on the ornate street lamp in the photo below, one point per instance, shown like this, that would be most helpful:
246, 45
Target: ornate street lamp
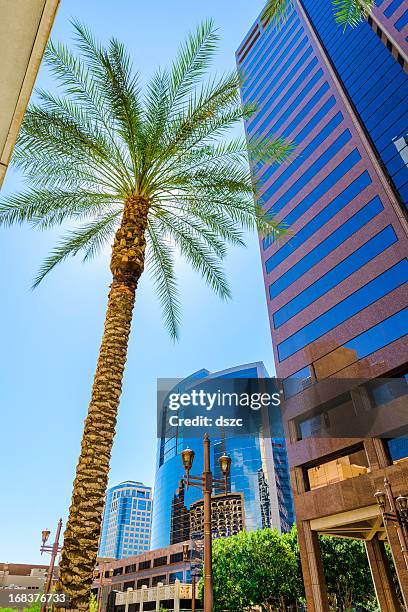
381, 500
187, 457
402, 504
225, 467
45, 534
396, 514
206, 483
53, 550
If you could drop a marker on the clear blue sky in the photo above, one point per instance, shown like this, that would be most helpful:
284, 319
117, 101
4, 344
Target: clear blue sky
50, 337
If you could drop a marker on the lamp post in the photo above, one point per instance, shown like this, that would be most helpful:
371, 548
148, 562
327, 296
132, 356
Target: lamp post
397, 514
206, 482
187, 554
102, 583
53, 550
195, 569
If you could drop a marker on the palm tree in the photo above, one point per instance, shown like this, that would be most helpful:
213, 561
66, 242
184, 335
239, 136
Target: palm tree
346, 12
156, 173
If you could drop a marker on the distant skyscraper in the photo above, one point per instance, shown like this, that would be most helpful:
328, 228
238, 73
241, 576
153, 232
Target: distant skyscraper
267, 498
336, 287
127, 519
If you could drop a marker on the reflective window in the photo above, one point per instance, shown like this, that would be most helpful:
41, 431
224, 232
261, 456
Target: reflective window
402, 21
380, 335
311, 124
329, 180
251, 96
145, 565
266, 104
326, 421
391, 8
175, 576
335, 239
394, 277
387, 390
298, 381
336, 275
264, 50
129, 585
339, 202
345, 467
373, 78
157, 579
304, 110
159, 561
252, 73
302, 158
300, 99
397, 449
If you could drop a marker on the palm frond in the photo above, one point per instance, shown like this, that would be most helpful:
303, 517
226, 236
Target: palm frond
351, 12
98, 140
193, 59
76, 80
46, 208
113, 74
198, 250
276, 11
160, 265
269, 151
90, 238
267, 226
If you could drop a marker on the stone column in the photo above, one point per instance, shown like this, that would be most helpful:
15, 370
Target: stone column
312, 569
380, 572
158, 589
177, 595
142, 592
398, 559
128, 595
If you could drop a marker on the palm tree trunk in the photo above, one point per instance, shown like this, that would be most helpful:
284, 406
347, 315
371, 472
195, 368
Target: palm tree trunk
81, 538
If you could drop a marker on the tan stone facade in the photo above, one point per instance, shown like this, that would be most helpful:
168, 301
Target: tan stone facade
334, 482
163, 565
24, 30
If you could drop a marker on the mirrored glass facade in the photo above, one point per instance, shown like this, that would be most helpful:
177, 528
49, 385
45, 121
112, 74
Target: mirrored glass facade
337, 284
339, 279
259, 471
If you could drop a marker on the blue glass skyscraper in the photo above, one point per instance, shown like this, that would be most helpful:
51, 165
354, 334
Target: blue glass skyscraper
336, 285
259, 471
127, 518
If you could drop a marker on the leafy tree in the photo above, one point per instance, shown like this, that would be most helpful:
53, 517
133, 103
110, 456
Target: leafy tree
155, 174
346, 12
93, 603
254, 569
346, 570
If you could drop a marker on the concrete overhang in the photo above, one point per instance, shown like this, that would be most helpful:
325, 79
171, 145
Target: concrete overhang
25, 27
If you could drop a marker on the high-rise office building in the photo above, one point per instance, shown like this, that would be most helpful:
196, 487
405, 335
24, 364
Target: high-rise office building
336, 287
127, 519
259, 472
